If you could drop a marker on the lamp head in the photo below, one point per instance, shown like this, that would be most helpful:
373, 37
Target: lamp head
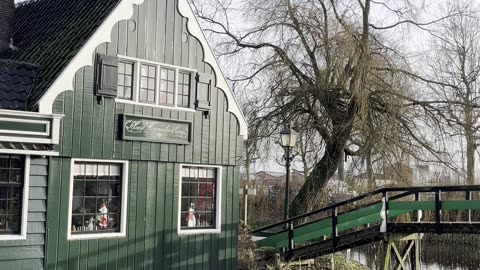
288, 137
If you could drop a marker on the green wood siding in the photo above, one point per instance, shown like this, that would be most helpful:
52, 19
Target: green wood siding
90, 129
29, 253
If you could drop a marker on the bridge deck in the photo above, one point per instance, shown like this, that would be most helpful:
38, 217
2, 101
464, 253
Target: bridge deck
366, 218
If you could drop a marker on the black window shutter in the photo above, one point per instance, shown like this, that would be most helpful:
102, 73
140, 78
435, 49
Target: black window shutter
204, 92
106, 75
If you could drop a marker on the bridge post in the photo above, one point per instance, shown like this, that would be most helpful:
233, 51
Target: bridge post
290, 247
392, 258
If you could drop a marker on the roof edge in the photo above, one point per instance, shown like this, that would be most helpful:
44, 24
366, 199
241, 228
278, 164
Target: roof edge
195, 30
85, 56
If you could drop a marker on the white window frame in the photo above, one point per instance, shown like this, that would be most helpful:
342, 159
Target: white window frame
124, 198
24, 216
218, 202
136, 84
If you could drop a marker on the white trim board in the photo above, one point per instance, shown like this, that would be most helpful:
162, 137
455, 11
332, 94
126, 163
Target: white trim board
124, 11
123, 208
25, 197
218, 200
29, 152
31, 121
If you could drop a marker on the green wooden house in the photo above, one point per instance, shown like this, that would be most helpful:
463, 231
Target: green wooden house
120, 140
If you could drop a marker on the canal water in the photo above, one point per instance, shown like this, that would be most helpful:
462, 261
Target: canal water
438, 252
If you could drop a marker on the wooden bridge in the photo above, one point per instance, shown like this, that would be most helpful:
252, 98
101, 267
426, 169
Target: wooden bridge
389, 215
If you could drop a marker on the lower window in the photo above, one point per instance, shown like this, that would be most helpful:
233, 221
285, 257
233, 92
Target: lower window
96, 198
199, 200
12, 195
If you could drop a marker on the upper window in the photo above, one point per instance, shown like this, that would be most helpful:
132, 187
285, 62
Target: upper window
199, 200
97, 198
155, 84
147, 83
12, 194
184, 81
167, 86
125, 80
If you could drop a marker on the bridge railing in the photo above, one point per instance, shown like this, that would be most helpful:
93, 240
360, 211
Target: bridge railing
377, 208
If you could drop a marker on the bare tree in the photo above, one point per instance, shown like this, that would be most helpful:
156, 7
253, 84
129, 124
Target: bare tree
456, 64
326, 65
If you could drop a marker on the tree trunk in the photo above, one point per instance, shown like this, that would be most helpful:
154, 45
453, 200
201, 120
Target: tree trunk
341, 166
470, 138
371, 181
470, 157
309, 195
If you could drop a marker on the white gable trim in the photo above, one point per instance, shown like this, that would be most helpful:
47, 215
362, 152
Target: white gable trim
195, 30
85, 57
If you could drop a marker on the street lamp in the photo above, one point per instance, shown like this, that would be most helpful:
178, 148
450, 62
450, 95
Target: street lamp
288, 139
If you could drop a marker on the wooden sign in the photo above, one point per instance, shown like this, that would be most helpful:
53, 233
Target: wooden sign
142, 128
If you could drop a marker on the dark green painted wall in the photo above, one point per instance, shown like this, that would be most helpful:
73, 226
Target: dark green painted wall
29, 253
90, 130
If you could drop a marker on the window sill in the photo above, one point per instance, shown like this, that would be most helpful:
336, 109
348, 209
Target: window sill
13, 237
199, 231
124, 101
95, 236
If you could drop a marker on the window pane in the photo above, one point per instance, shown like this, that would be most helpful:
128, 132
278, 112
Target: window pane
121, 91
143, 95
91, 188
170, 98
3, 207
128, 93
3, 223
121, 79
4, 162
151, 96
128, 80
15, 175
90, 205
144, 83
163, 74
151, 72
4, 175
16, 162
13, 207
99, 208
129, 69
163, 97
171, 75
170, 87
14, 193
13, 223
144, 70
103, 188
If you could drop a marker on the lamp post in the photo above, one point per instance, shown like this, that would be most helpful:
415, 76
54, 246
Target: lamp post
288, 139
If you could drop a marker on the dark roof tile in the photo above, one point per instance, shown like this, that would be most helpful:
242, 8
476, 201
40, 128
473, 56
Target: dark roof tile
16, 81
49, 33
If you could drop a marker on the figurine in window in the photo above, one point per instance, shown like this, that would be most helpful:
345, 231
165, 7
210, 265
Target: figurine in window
192, 221
2, 220
103, 218
91, 224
